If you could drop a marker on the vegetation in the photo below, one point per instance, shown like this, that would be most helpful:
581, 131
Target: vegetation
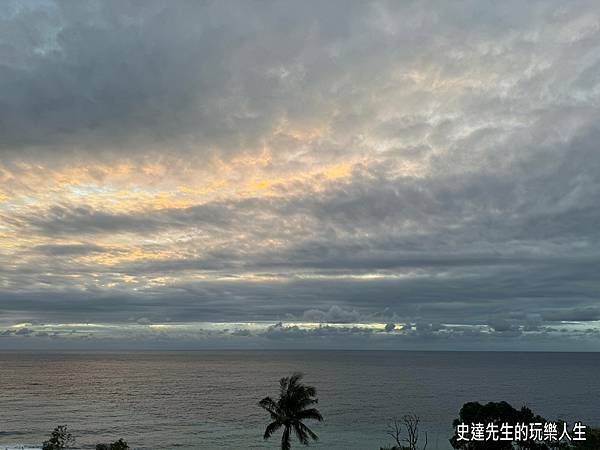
118, 445
592, 441
497, 413
60, 439
294, 405
410, 424
296, 401
502, 412
405, 431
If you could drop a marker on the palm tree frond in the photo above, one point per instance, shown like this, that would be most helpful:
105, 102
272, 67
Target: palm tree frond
292, 407
309, 391
311, 413
301, 434
272, 407
295, 378
309, 432
272, 428
303, 402
269, 404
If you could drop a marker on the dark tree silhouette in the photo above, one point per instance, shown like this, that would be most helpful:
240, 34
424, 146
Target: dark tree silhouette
411, 423
497, 413
394, 430
118, 445
592, 441
294, 405
60, 439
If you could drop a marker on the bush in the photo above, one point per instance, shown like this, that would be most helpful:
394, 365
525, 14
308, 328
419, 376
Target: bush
118, 445
59, 439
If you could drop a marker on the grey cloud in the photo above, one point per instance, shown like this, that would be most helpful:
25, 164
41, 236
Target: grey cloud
280, 331
462, 294
62, 220
144, 321
423, 327
243, 332
572, 314
214, 75
23, 331
123, 74
498, 102
501, 325
334, 314
68, 249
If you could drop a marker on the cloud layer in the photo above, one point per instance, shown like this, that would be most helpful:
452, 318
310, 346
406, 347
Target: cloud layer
416, 163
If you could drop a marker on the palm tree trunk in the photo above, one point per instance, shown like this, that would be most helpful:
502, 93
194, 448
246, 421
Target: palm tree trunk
285, 438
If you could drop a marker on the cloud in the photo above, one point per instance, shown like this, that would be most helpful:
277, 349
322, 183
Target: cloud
185, 335
279, 331
23, 331
334, 314
67, 249
144, 321
343, 164
82, 220
501, 325
572, 314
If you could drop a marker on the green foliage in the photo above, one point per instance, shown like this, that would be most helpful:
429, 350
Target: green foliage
293, 406
59, 439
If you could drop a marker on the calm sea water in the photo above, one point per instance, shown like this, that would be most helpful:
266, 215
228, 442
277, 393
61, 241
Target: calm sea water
208, 399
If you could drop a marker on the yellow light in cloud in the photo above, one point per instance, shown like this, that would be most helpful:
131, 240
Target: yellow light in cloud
260, 184
336, 171
126, 255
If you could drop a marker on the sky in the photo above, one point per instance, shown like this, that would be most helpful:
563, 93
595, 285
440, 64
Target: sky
260, 174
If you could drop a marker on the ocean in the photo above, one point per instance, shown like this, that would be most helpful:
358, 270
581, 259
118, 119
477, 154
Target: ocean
208, 399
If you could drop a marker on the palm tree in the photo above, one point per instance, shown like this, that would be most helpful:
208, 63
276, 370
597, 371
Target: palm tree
292, 407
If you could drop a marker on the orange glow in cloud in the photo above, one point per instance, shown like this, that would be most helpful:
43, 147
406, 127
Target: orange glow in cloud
286, 165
